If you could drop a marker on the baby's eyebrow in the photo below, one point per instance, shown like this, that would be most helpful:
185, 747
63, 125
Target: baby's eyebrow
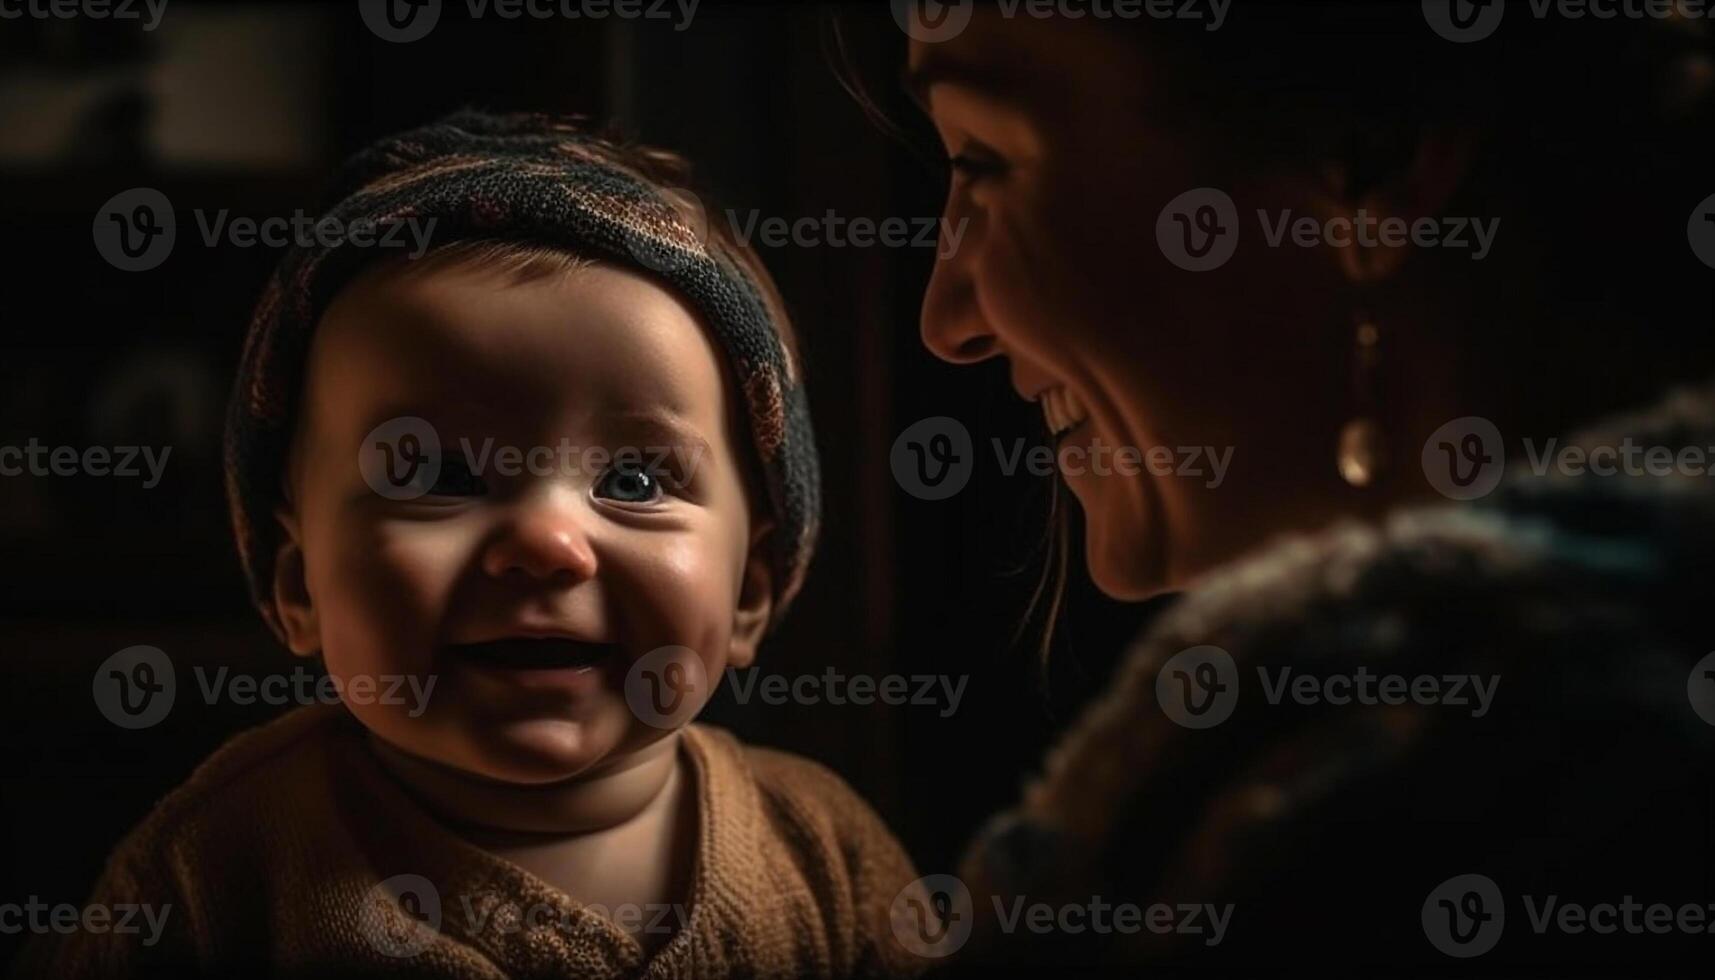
667, 428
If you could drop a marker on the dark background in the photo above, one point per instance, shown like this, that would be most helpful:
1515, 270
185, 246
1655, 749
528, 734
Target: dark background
247, 107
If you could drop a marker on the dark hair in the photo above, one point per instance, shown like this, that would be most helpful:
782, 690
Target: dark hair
1559, 103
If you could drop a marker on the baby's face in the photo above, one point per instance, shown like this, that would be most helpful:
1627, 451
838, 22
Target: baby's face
526, 593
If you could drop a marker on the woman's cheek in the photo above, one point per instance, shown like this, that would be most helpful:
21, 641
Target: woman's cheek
1090, 225
1004, 291
1028, 277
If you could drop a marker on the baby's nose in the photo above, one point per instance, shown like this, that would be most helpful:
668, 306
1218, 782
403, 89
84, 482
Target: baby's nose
543, 541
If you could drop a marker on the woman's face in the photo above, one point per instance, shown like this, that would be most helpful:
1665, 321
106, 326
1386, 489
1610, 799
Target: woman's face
1191, 411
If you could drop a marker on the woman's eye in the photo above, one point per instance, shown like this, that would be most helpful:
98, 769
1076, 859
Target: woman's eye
628, 483
457, 480
972, 163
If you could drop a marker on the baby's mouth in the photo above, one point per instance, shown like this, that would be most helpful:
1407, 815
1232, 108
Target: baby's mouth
537, 653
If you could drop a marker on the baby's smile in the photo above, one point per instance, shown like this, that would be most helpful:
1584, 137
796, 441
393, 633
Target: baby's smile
536, 653
560, 667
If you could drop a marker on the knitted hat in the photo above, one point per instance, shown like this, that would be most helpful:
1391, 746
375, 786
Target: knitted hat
531, 180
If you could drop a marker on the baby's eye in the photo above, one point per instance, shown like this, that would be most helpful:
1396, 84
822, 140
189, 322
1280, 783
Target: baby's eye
457, 480
628, 483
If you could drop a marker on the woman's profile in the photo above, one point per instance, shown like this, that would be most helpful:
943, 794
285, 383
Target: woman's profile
1426, 684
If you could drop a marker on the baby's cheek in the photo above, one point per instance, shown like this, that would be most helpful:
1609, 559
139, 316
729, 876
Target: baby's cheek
677, 589
389, 589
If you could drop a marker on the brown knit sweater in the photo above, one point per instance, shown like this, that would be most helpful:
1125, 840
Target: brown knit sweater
272, 857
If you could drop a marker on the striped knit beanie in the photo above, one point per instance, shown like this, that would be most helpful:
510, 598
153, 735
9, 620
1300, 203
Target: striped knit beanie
531, 180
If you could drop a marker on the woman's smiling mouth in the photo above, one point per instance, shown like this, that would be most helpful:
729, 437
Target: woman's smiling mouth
1062, 410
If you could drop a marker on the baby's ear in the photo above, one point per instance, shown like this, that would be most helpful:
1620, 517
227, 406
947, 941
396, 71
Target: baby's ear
292, 602
755, 600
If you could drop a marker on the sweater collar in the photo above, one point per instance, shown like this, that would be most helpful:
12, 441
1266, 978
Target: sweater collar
526, 926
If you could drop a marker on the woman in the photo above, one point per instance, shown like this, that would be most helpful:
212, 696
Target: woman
1374, 263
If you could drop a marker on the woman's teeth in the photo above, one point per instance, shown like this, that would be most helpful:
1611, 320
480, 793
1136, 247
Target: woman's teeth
1063, 411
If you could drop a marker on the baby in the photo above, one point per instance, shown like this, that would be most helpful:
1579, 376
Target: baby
560, 468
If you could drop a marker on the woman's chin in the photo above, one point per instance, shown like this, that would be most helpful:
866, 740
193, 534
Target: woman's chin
1123, 560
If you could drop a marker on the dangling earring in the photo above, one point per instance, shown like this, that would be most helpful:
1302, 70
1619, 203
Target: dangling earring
1361, 451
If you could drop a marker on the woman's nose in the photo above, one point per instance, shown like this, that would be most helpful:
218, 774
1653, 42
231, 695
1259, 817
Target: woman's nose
952, 324
543, 541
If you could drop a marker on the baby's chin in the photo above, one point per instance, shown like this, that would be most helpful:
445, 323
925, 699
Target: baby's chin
533, 751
